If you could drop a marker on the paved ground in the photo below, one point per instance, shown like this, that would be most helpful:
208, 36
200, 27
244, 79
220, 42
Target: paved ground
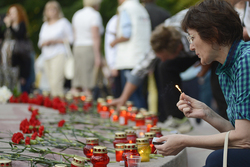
197, 157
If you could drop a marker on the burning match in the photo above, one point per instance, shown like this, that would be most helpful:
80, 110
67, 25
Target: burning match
178, 88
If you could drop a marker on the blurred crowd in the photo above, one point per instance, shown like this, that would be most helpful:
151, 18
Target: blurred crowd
141, 38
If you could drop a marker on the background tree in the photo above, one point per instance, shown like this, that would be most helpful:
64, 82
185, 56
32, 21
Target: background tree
108, 8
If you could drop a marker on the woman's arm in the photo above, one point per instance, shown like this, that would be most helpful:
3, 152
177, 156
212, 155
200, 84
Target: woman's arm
193, 108
238, 138
96, 45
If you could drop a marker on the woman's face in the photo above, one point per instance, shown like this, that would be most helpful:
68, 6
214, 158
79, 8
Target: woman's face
13, 14
51, 12
205, 51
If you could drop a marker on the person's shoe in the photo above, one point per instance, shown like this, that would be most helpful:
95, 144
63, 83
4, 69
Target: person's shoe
185, 127
171, 123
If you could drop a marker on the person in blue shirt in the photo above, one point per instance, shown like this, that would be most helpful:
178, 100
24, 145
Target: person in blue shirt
215, 34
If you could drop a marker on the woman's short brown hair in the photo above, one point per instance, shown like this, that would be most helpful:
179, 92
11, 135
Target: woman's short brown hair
165, 38
215, 21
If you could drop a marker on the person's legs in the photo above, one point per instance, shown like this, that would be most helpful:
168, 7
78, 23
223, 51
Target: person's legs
137, 97
54, 69
235, 158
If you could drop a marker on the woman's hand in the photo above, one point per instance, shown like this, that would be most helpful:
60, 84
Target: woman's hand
117, 103
7, 20
172, 146
97, 61
191, 107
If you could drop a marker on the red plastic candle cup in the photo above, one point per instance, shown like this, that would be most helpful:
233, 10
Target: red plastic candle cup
119, 150
157, 131
150, 136
100, 157
90, 143
120, 137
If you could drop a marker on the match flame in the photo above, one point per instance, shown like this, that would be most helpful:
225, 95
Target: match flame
178, 88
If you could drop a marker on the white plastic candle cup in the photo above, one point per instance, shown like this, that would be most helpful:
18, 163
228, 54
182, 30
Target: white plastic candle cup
134, 161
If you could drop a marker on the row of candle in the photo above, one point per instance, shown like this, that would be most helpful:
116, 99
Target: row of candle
126, 113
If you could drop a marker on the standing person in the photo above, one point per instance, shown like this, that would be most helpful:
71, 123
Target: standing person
16, 22
215, 34
110, 55
87, 25
132, 42
55, 30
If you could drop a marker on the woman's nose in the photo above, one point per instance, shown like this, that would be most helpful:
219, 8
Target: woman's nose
191, 47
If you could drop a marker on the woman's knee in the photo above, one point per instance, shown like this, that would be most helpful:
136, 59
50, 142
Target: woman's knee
215, 159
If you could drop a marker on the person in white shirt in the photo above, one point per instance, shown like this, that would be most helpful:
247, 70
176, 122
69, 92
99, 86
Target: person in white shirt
54, 31
87, 26
133, 42
110, 55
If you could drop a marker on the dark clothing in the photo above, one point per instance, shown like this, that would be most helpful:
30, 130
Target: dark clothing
169, 77
235, 158
217, 92
157, 14
24, 62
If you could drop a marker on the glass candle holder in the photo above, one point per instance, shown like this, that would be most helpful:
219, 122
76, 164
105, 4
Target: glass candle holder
139, 120
144, 149
120, 137
90, 143
83, 97
150, 136
154, 118
129, 150
133, 113
149, 124
99, 104
104, 112
78, 162
123, 119
109, 99
129, 105
5, 162
147, 116
114, 117
131, 135
100, 157
119, 150
111, 110
87, 104
134, 161
157, 131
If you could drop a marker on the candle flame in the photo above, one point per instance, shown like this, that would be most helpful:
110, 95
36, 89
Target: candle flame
178, 88
131, 156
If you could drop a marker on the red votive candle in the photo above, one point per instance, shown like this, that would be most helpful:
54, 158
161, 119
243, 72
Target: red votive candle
129, 150
90, 143
109, 99
139, 120
119, 151
149, 124
77, 162
123, 119
131, 135
100, 157
104, 112
120, 137
157, 131
150, 136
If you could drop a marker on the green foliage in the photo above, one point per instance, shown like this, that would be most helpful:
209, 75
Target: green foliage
34, 9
